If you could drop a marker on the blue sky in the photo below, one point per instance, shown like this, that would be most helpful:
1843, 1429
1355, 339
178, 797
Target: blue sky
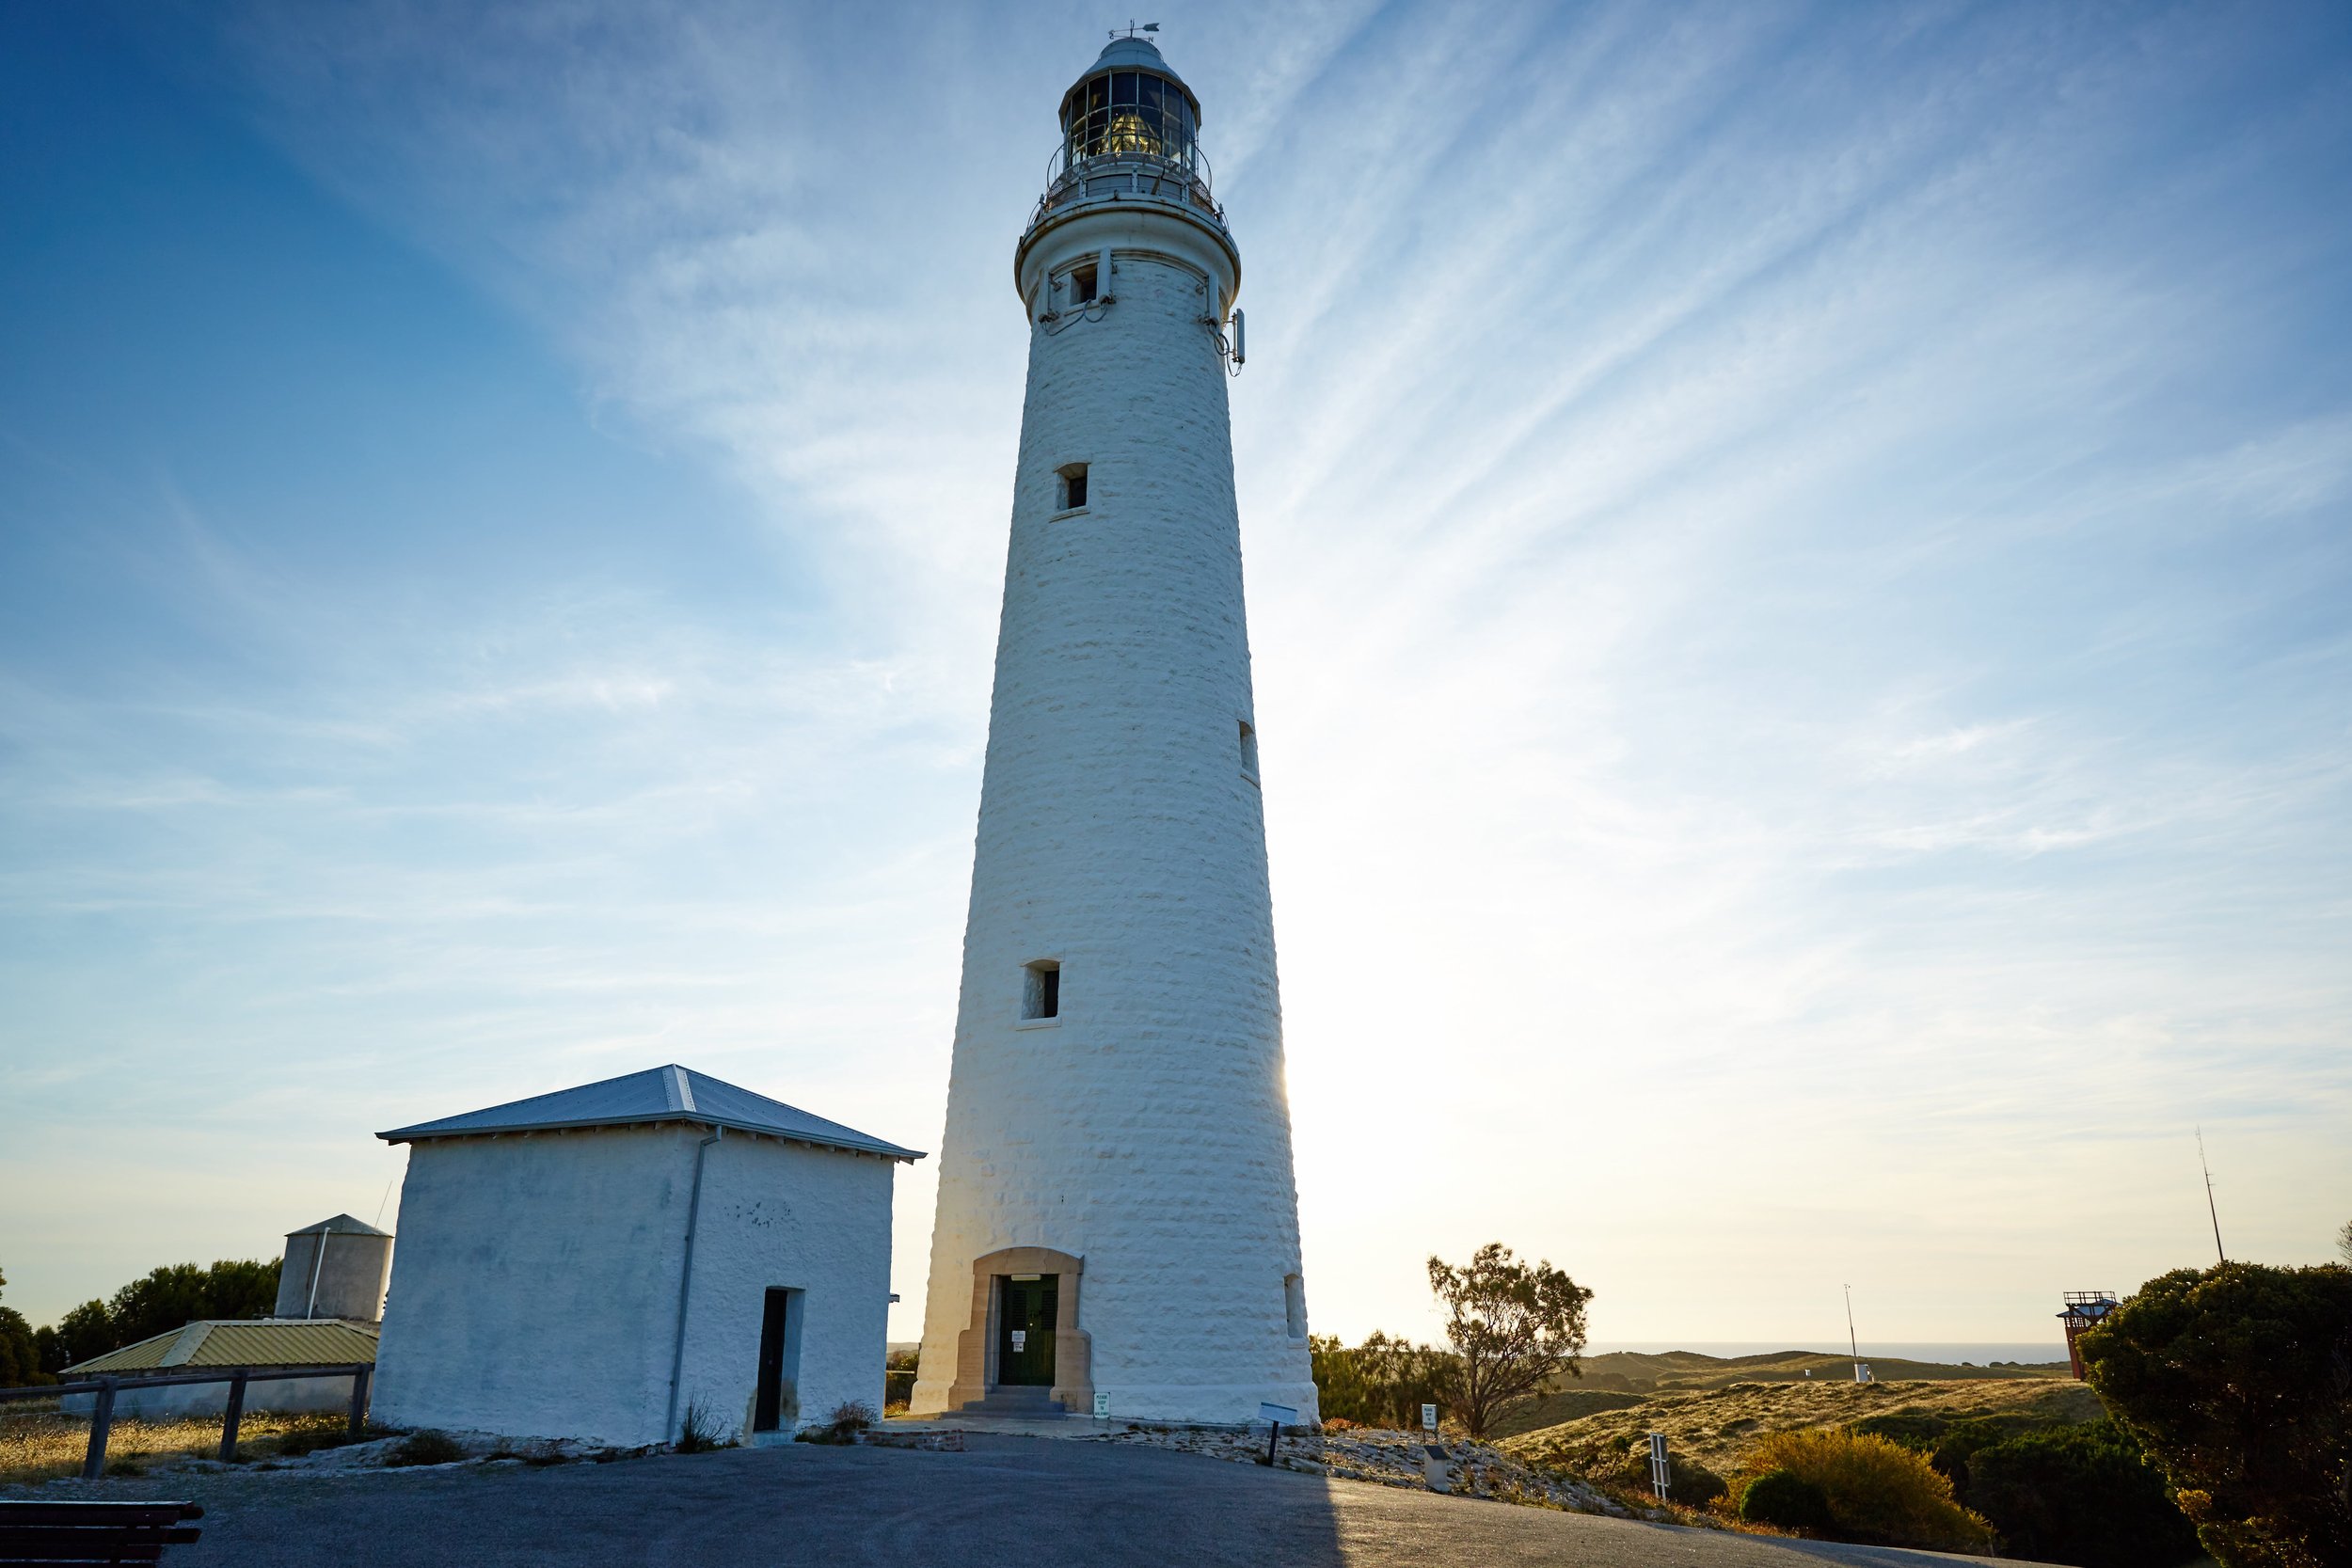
1800, 576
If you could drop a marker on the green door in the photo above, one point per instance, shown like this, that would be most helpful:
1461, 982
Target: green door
1024, 1330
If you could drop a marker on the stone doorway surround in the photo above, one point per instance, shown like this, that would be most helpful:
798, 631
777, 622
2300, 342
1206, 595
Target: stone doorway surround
976, 1345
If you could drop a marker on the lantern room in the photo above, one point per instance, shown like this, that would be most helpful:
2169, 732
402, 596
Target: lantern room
1129, 104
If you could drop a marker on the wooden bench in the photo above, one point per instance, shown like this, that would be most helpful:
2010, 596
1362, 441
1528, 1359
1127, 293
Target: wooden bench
94, 1532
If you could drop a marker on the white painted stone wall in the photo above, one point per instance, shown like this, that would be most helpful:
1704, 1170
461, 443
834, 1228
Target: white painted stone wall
185, 1401
1146, 1130
535, 1290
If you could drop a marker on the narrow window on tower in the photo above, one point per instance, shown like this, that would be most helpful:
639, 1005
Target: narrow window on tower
1071, 486
1248, 751
1295, 1306
1082, 281
1041, 990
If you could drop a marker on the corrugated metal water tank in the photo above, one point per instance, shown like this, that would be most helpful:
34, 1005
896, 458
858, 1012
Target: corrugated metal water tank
335, 1269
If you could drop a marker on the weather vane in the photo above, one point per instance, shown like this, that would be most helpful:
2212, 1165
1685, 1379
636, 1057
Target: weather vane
1131, 29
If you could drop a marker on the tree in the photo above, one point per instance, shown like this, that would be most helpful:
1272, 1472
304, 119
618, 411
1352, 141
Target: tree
2344, 1241
1382, 1381
181, 1293
159, 1302
1513, 1326
2237, 1378
2082, 1495
20, 1354
85, 1331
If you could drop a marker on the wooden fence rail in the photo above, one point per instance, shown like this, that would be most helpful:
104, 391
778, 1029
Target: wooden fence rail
103, 1413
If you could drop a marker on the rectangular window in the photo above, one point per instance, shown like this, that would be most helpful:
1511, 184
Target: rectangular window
1041, 990
1082, 282
1071, 486
1248, 750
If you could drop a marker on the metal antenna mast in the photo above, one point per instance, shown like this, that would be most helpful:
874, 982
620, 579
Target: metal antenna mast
1852, 1344
2213, 1213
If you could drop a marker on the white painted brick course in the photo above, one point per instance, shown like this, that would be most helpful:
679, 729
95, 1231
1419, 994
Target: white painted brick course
1147, 1130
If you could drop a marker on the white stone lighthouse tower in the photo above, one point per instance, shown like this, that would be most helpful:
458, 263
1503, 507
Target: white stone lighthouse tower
1117, 1221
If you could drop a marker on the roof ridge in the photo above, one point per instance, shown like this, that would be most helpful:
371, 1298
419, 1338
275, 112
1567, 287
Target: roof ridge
669, 1093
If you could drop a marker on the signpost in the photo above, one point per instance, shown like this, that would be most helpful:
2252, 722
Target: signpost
1661, 1473
1429, 1420
1101, 1407
1277, 1415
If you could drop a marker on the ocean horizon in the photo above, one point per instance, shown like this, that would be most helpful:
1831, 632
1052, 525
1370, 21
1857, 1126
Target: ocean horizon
1951, 1352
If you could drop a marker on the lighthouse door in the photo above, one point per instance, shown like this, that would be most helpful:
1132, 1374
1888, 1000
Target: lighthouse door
1024, 1330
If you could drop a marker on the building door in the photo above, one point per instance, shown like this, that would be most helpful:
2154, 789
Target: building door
1025, 1329
767, 1413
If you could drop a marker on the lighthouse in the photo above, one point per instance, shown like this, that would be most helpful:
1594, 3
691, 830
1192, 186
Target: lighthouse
1118, 1223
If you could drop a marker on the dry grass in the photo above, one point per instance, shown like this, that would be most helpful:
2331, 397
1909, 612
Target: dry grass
38, 1443
1713, 1425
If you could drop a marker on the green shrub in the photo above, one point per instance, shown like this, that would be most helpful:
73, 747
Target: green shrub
2080, 1495
1381, 1382
424, 1448
2237, 1378
697, 1433
1785, 1500
309, 1438
1878, 1492
840, 1426
1688, 1482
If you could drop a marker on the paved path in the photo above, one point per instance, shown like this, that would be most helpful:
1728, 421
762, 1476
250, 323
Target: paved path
1006, 1499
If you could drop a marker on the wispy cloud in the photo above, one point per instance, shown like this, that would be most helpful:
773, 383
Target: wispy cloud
1797, 562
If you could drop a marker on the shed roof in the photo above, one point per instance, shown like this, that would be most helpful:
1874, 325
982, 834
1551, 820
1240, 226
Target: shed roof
341, 1225
242, 1343
661, 1094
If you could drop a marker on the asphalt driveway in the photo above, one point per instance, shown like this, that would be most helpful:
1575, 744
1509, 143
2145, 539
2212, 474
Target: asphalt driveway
1005, 1499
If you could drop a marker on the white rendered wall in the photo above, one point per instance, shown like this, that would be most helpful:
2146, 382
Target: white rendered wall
1146, 1130
535, 1290
182, 1401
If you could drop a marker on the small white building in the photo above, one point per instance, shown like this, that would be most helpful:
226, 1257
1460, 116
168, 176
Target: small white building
596, 1262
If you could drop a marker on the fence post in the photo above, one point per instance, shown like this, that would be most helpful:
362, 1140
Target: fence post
102, 1417
231, 1418
360, 1402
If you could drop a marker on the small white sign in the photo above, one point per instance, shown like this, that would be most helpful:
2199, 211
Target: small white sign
1429, 1418
1280, 1415
1101, 1405
1020, 1340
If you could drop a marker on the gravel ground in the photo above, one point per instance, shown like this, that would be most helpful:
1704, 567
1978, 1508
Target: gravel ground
1106, 1504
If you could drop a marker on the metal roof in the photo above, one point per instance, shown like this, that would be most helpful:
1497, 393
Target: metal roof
661, 1094
248, 1343
341, 1225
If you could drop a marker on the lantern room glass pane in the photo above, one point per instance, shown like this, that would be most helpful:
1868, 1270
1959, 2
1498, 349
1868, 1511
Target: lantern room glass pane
1122, 88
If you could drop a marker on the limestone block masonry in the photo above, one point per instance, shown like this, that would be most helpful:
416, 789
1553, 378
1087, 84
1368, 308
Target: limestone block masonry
1143, 1129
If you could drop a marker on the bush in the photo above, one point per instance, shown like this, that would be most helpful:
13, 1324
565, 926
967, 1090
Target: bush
424, 1448
2080, 1495
1878, 1492
697, 1433
1688, 1482
1785, 1500
2237, 1378
841, 1426
330, 1432
1381, 1382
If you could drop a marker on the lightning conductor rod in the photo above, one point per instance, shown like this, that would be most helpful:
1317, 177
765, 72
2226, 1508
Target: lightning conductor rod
1852, 1344
2212, 1212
